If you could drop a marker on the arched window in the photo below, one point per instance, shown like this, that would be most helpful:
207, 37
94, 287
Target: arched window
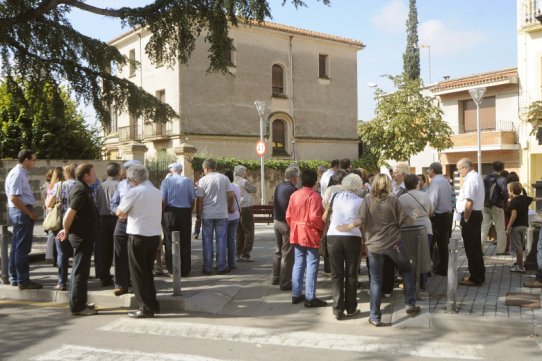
278, 80
279, 137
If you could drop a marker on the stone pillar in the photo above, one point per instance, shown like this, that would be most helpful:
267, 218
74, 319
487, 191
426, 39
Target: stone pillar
134, 151
184, 154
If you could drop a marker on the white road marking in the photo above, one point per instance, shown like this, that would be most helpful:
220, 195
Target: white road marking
298, 339
83, 353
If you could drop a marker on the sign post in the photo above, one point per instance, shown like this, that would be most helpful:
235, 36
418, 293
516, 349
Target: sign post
260, 147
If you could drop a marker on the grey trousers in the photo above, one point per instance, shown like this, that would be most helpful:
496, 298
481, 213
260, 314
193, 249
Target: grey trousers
283, 258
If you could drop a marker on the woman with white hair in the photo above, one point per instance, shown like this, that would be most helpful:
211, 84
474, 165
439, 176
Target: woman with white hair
344, 247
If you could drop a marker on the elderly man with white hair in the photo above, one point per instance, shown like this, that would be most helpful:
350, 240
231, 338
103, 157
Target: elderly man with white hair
122, 270
400, 170
245, 230
178, 198
141, 207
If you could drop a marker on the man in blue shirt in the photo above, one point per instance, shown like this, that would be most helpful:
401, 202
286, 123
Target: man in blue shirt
178, 197
21, 214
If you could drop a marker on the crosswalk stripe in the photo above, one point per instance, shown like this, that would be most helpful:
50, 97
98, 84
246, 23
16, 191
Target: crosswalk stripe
297, 339
83, 353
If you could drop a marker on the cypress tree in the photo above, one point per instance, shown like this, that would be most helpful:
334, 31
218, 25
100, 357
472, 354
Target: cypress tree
411, 57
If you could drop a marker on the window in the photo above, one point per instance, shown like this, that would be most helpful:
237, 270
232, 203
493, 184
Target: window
161, 95
488, 115
279, 137
114, 119
323, 66
131, 57
278, 80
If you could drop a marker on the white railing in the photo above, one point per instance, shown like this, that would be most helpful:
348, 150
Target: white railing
528, 12
499, 126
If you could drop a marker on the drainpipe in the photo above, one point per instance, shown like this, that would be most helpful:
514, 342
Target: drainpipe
291, 98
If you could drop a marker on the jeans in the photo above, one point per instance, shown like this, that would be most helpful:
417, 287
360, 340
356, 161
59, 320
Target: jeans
494, 215
21, 245
63, 253
283, 259
82, 252
399, 256
218, 227
539, 257
306, 262
232, 232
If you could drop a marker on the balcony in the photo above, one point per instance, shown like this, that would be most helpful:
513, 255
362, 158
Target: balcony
501, 136
528, 13
129, 134
156, 131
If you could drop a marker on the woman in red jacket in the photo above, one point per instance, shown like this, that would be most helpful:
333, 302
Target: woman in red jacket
304, 215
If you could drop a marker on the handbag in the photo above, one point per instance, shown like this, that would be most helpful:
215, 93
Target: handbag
322, 250
53, 220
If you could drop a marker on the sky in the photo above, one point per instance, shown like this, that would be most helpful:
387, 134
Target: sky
457, 38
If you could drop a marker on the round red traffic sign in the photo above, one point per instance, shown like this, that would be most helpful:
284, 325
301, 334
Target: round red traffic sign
260, 148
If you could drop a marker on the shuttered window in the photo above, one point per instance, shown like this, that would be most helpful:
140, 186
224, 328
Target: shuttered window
278, 80
488, 116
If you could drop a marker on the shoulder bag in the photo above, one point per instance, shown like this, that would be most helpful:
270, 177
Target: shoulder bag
53, 220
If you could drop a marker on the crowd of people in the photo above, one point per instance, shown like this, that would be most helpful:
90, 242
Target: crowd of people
342, 214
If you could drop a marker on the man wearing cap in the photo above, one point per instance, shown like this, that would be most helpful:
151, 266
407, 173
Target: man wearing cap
245, 230
122, 271
21, 214
441, 200
178, 198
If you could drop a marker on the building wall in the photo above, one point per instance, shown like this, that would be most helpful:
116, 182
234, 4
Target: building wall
213, 104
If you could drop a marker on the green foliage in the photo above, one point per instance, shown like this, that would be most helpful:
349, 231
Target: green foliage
411, 57
534, 117
230, 163
44, 119
38, 42
406, 122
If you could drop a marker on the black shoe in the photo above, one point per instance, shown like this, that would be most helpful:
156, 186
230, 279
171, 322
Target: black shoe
106, 282
223, 272
378, 323
288, 288
339, 315
315, 303
140, 314
413, 310
14, 283
275, 282
354, 313
298, 299
30, 285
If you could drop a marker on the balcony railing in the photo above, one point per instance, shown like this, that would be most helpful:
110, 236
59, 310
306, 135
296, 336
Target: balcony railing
129, 133
499, 126
528, 12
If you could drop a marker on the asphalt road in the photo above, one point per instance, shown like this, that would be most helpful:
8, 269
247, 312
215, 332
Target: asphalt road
39, 331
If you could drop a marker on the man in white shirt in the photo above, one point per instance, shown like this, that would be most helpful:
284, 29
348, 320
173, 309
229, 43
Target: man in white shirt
324, 180
142, 207
470, 203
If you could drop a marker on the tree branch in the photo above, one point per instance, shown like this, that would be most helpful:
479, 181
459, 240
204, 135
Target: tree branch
31, 14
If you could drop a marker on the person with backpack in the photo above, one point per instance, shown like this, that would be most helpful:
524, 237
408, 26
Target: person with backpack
496, 195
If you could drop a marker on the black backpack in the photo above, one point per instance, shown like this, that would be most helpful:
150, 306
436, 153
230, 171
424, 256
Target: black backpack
493, 192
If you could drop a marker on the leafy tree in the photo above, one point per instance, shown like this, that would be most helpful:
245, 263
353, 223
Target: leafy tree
411, 57
43, 119
405, 123
534, 117
38, 42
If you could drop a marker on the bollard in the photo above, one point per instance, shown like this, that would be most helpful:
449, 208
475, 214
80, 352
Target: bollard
418, 265
452, 276
4, 255
176, 256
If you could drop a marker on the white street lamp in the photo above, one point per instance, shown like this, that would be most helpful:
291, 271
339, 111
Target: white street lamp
429, 62
477, 95
260, 107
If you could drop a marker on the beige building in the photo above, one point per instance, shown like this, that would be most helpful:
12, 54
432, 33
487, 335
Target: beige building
499, 120
308, 79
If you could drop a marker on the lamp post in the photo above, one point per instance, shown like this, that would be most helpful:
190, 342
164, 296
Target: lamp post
260, 107
477, 95
429, 62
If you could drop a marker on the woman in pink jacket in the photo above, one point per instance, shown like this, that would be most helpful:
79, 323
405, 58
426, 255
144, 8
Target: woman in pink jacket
304, 215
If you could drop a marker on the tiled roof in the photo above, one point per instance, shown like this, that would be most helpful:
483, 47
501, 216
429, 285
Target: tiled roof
276, 27
310, 33
473, 80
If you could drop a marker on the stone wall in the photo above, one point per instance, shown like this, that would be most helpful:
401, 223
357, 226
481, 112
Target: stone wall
36, 177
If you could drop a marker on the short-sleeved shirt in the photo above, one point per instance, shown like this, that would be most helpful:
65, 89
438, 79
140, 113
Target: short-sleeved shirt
473, 189
521, 205
143, 203
17, 185
440, 194
178, 191
213, 188
86, 218
346, 209
63, 194
236, 203
283, 192
123, 188
104, 193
